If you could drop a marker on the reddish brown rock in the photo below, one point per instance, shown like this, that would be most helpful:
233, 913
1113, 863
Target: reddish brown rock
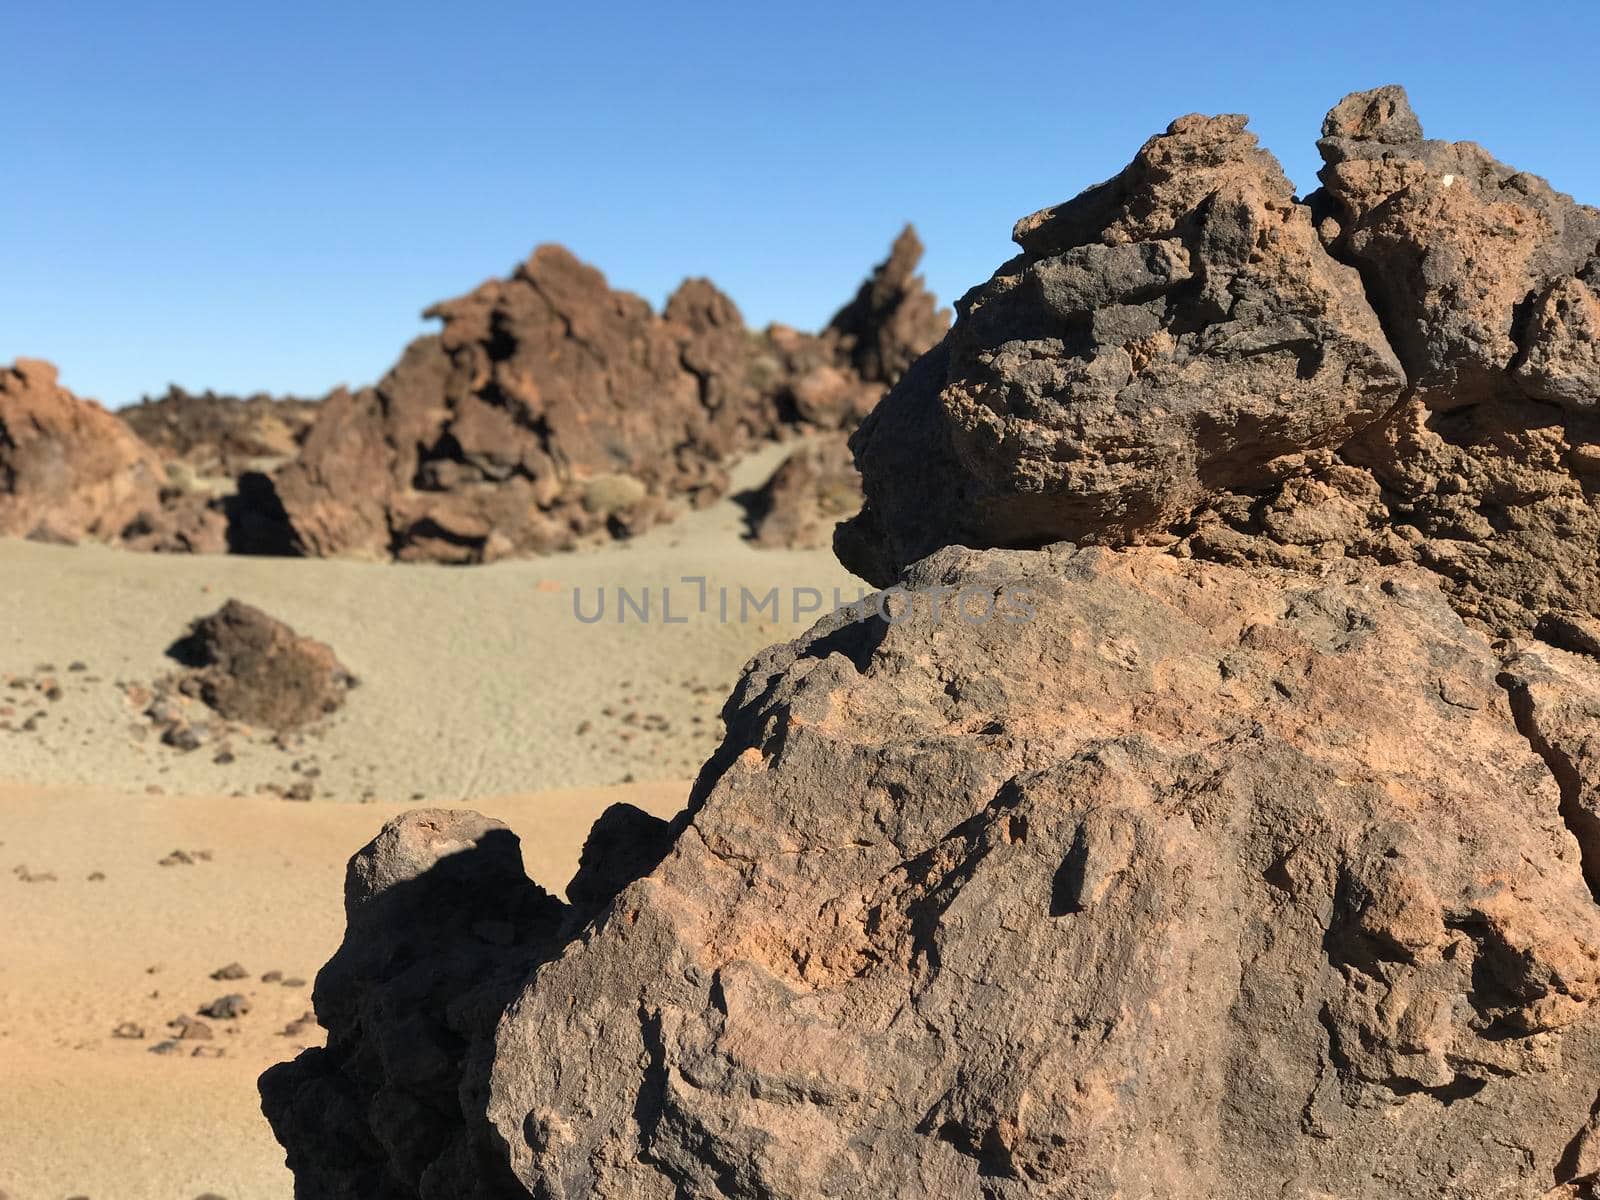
1161, 878
814, 489
893, 320
552, 409
68, 468
1174, 331
250, 667
1175, 360
222, 436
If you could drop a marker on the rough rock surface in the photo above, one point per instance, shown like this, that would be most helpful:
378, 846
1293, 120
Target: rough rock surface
222, 436
249, 667
552, 408
1094, 871
812, 490
68, 468
1164, 363
400, 1008
1174, 330
1200, 881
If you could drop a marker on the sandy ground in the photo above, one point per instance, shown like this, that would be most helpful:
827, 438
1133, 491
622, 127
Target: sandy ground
476, 681
479, 686
86, 1113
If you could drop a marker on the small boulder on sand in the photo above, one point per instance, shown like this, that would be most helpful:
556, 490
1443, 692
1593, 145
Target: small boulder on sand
250, 667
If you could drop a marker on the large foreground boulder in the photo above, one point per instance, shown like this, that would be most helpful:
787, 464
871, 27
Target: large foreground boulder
1186, 356
68, 468
1122, 875
1100, 871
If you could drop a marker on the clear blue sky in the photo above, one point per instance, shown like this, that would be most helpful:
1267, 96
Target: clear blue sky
264, 196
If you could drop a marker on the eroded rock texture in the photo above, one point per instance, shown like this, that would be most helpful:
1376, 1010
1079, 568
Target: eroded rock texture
1115, 872
552, 408
1176, 359
68, 468
443, 926
1199, 882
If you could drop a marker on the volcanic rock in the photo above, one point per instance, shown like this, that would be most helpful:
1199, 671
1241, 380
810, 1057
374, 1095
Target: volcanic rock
814, 489
222, 436
1175, 360
68, 468
893, 320
249, 667
402, 1009
552, 408
1128, 875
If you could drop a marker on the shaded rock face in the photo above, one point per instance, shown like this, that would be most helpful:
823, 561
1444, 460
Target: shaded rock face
68, 468
222, 436
443, 926
812, 490
1186, 356
250, 667
1168, 878
552, 409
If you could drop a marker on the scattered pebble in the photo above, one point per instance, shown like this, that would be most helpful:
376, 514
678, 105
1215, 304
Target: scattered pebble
232, 971
129, 1030
227, 1008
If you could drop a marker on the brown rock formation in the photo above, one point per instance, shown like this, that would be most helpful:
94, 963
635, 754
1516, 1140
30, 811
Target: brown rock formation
1200, 881
813, 489
1175, 359
68, 468
893, 320
222, 436
1087, 872
552, 408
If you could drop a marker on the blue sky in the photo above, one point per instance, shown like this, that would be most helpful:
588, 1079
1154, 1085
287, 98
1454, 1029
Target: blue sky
265, 196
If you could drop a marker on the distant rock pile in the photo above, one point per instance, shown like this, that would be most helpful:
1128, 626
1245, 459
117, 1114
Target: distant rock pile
549, 410
222, 436
1099, 871
552, 408
1185, 356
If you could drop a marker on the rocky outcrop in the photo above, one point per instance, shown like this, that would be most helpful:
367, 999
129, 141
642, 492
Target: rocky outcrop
1185, 356
218, 436
1092, 871
250, 667
1175, 330
68, 468
893, 320
812, 490
552, 408
383, 1111
1122, 875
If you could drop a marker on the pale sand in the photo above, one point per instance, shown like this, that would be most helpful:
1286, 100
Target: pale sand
475, 683
84, 1113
